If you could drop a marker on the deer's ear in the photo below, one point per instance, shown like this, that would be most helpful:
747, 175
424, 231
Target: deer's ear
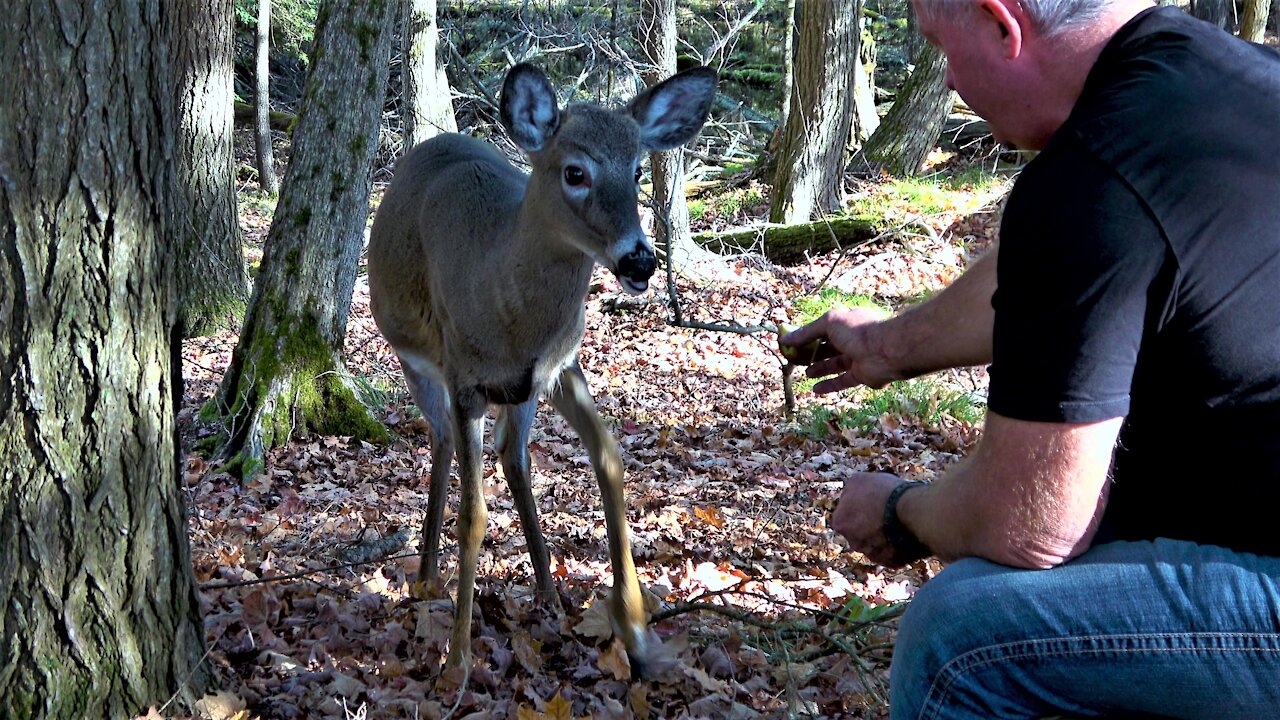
672, 112
529, 109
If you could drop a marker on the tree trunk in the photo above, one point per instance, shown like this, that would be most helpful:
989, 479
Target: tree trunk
212, 287
286, 372
428, 108
809, 179
98, 611
1218, 12
670, 210
267, 179
1253, 22
911, 127
865, 118
767, 164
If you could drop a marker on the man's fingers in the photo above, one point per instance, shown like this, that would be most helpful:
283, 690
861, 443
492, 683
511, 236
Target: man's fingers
801, 335
835, 384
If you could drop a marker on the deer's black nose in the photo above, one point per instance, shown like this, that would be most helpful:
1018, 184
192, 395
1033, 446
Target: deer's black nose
638, 264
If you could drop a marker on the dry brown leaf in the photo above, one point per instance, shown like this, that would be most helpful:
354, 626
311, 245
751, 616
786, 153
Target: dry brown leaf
595, 622
710, 515
613, 660
221, 705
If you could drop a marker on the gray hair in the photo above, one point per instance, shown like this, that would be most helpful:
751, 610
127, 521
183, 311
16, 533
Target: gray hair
1051, 17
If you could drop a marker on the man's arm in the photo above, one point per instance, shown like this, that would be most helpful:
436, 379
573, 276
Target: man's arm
1030, 496
952, 329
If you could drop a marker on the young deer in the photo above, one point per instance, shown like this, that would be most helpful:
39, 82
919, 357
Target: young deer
477, 278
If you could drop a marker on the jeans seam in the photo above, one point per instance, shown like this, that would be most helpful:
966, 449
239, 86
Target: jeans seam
977, 658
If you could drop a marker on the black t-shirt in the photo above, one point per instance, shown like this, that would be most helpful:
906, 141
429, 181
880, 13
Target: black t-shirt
1139, 276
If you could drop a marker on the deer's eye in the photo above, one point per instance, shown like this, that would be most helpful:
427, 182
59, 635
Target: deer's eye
574, 176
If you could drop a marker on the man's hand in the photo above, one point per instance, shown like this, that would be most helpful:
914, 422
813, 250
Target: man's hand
859, 516
861, 360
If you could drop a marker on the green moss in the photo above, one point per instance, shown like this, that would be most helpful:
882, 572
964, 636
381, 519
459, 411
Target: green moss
209, 412
293, 261
213, 316
337, 184
366, 35
302, 217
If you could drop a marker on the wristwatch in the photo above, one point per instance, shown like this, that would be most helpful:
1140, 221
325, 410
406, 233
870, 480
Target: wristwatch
906, 546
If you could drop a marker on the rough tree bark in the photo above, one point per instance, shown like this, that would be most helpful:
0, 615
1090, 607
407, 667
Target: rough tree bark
911, 127
267, 179
670, 210
811, 156
98, 612
428, 107
212, 286
1253, 21
286, 372
1218, 12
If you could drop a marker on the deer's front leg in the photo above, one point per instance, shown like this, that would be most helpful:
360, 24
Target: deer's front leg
512, 441
468, 419
572, 398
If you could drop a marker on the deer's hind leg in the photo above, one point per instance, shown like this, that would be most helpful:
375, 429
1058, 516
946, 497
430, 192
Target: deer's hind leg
432, 398
512, 443
572, 398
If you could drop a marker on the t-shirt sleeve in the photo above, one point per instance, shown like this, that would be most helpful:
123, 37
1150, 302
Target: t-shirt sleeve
1079, 255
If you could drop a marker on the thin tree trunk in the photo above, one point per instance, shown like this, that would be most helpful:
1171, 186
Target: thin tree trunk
212, 286
865, 118
809, 179
98, 611
911, 127
428, 108
267, 179
1253, 22
286, 372
768, 169
671, 211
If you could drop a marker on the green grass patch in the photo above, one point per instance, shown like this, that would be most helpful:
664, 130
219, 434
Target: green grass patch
697, 209
962, 192
921, 401
811, 307
737, 201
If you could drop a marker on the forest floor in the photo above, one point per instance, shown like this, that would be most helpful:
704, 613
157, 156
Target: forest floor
764, 612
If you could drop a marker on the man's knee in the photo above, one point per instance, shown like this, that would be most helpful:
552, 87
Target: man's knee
965, 608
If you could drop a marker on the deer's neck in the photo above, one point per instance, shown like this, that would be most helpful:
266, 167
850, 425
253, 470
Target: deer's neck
546, 254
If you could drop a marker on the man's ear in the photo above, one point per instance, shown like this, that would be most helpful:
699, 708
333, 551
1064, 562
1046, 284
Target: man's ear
1011, 19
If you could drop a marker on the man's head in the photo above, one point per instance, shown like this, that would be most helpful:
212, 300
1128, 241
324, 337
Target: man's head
1021, 64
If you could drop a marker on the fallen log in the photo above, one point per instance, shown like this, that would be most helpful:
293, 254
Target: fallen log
790, 244
244, 114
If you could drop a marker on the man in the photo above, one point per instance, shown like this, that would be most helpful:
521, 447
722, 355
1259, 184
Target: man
1115, 551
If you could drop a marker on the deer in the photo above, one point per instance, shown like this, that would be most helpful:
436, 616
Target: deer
478, 278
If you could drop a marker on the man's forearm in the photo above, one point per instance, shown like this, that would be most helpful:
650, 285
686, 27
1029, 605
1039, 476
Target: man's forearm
953, 329
1030, 495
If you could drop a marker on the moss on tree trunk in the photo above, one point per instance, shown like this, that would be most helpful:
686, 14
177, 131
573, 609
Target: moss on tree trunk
786, 244
286, 374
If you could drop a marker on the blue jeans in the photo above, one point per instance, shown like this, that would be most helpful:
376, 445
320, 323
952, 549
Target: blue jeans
1160, 629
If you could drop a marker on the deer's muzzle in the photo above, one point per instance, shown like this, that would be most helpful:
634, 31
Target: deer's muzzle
635, 269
